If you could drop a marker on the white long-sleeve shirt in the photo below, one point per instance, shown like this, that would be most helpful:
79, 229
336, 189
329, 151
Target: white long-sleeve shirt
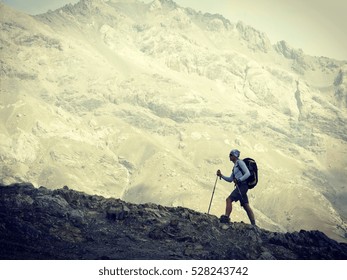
237, 173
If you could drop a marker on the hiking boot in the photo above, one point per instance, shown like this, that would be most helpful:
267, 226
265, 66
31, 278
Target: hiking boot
224, 219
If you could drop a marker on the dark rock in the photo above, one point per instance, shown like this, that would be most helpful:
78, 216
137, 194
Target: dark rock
119, 212
38, 223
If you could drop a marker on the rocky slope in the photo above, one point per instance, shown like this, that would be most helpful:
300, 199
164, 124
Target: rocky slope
144, 102
38, 223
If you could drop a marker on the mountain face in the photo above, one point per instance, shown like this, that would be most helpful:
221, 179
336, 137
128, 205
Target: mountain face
38, 223
143, 102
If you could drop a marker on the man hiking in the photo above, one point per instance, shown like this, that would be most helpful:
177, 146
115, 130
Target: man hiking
239, 176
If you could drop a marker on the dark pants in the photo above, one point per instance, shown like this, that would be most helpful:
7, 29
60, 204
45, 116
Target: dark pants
240, 193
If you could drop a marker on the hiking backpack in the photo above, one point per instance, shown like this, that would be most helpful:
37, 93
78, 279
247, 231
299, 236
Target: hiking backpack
253, 169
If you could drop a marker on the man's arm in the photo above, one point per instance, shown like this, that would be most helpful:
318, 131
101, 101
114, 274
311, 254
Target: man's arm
245, 171
228, 179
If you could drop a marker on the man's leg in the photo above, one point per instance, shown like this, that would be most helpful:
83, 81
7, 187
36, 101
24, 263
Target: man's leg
249, 213
228, 207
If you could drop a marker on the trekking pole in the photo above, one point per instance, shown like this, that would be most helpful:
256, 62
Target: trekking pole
208, 212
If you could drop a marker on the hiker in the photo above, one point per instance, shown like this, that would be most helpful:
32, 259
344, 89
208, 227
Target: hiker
239, 176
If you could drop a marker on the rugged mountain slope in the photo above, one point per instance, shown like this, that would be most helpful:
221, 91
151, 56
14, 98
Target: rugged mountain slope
144, 101
66, 224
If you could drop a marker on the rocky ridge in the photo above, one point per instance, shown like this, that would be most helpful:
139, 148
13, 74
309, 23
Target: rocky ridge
38, 223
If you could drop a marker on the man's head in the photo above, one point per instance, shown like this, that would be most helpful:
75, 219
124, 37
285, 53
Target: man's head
234, 155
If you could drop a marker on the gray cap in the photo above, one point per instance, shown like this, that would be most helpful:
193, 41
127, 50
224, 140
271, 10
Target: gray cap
235, 153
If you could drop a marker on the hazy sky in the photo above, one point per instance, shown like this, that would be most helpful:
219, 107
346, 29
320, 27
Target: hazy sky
316, 26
